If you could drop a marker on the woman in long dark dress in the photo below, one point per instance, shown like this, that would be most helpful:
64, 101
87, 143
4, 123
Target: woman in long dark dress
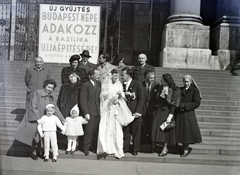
69, 94
187, 129
168, 98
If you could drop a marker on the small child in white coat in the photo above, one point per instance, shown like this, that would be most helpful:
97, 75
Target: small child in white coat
73, 128
47, 127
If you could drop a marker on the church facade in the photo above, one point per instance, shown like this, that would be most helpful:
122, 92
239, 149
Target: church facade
193, 34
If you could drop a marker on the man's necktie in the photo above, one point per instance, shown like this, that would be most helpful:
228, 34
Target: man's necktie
124, 86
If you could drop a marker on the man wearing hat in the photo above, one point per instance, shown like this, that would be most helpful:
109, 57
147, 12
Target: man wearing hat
66, 71
84, 63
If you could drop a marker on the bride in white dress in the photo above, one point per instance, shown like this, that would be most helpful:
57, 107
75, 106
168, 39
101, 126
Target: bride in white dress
114, 114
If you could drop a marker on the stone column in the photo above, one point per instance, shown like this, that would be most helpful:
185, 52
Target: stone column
225, 33
185, 10
185, 40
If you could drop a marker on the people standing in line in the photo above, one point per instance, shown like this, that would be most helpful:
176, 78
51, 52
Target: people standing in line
66, 71
104, 66
168, 97
73, 129
27, 129
138, 70
187, 129
150, 88
47, 127
135, 100
84, 63
34, 78
114, 114
69, 94
90, 105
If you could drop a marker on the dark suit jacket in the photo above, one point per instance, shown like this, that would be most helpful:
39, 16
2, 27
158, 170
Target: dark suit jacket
136, 105
66, 71
150, 97
90, 98
87, 67
138, 72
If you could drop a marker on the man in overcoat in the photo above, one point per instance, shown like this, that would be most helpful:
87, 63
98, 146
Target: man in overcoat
34, 78
138, 70
135, 101
84, 63
90, 106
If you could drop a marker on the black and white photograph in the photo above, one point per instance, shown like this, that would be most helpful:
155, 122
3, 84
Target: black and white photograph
103, 87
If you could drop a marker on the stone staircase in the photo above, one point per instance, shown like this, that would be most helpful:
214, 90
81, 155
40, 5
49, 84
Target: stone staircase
218, 115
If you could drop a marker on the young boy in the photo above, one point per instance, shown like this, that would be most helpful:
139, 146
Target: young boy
47, 127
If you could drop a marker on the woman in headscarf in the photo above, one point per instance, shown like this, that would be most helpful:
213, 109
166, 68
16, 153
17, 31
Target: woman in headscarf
187, 129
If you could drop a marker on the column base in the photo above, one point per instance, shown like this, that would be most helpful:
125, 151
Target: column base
188, 58
227, 58
184, 18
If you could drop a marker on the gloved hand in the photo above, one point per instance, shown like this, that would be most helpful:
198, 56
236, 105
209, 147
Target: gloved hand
170, 116
182, 105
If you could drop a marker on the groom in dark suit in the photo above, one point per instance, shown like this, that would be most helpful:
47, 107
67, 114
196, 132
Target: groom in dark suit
135, 101
90, 106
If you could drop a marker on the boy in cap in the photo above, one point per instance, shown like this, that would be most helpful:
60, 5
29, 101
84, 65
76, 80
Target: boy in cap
47, 127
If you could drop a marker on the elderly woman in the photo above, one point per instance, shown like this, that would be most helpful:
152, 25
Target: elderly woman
68, 94
187, 129
168, 98
27, 130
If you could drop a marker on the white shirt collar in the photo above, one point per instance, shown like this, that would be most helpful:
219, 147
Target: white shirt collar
93, 83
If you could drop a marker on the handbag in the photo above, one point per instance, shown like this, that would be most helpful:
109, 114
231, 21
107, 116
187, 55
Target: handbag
170, 126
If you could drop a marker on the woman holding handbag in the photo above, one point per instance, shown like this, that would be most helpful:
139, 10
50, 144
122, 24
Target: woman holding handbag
168, 98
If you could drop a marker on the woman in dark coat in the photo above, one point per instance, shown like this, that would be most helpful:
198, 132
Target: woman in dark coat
69, 94
168, 98
187, 129
27, 130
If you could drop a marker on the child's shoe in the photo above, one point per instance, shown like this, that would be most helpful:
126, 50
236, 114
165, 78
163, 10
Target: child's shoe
67, 152
46, 159
54, 159
72, 152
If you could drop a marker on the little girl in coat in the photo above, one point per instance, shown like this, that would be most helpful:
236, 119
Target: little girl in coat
73, 129
47, 127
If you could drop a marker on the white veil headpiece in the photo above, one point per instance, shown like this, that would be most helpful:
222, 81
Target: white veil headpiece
193, 83
108, 87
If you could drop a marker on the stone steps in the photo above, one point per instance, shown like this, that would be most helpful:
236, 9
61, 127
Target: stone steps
221, 107
200, 159
218, 115
220, 139
21, 97
204, 148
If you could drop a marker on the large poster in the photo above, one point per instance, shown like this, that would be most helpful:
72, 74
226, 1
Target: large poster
65, 30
